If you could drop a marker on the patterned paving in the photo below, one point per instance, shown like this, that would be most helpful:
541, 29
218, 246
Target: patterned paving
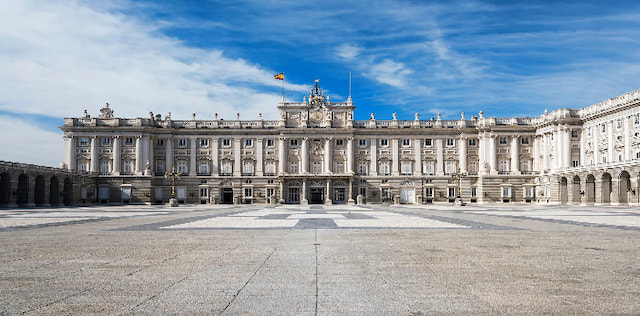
34, 218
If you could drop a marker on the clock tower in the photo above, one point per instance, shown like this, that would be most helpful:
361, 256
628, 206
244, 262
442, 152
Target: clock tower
316, 111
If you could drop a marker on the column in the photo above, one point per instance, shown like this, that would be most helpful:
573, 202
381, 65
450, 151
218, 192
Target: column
482, 152
627, 138
582, 147
350, 155
515, 155
327, 154
193, 169
373, 163
169, 154
395, 170
462, 153
259, 158
566, 148
116, 155
611, 151
417, 156
303, 197
282, 158
350, 200
439, 156
595, 141
138, 166
70, 152
94, 155
546, 164
215, 162
304, 164
327, 195
536, 154
237, 157
281, 200
148, 154
493, 163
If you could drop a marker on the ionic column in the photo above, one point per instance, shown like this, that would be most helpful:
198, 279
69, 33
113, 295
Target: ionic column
138, 166
582, 148
169, 154
303, 199
595, 141
327, 195
282, 158
536, 154
70, 152
439, 156
304, 164
193, 169
237, 157
215, 143
493, 163
417, 148
94, 155
611, 151
462, 153
350, 155
395, 164
116, 155
259, 157
373, 164
148, 153
515, 157
482, 151
627, 138
327, 154
566, 148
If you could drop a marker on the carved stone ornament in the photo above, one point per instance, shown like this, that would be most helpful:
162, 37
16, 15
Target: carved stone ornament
106, 112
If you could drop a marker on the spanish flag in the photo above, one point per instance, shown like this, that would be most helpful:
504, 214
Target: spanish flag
279, 76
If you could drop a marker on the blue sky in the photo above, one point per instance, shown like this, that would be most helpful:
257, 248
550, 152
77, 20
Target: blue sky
505, 58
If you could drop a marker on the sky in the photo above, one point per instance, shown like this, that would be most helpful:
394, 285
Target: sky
506, 58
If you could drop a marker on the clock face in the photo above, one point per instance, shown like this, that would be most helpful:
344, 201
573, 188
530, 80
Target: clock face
316, 116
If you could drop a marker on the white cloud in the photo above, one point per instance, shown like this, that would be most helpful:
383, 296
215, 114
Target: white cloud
26, 142
348, 52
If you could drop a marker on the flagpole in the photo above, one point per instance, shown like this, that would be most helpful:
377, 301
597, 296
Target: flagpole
283, 88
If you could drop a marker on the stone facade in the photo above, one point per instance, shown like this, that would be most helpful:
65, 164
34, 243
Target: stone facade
317, 153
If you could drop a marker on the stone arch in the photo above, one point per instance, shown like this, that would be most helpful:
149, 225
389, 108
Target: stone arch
67, 198
606, 188
624, 186
23, 190
564, 192
577, 193
5, 188
591, 189
38, 191
54, 191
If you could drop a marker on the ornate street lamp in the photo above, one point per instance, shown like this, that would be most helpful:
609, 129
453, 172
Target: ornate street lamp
458, 176
173, 175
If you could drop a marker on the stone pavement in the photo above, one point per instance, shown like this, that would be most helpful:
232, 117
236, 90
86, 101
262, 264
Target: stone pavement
320, 260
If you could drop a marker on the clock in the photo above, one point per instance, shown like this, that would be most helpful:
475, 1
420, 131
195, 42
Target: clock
316, 116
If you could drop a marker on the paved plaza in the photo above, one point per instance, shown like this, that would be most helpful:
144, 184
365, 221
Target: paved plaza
320, 260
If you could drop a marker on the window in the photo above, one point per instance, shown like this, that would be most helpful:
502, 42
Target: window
248, 143
503, 166
182, 167
451, 192
339, 142
428, 192
506, 192
362, 142
105, 166
271, 143
472, 142
128, 141
386, 194
589, 131
204, 143
406, 142
384, 168
636, 119
106, 141
525, 165
127, 167
339, 167
226, 169
293, 167
575, 163
451, 167
226, 143
160, 143
293, 142
248, 192
503, 140
451, 142
363, 192
248, 167
574, 133
472, 168
604, 128
83, 166
428, 167
160, 166
405, 167
203, 168
619, 124
316, 167
182, 142
270, 168
524, 140
84, 141
363, 168
384, 142
428, 142
528, 192
204, 193
474, 192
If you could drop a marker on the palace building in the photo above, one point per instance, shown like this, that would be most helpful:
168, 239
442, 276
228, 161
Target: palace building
317, 153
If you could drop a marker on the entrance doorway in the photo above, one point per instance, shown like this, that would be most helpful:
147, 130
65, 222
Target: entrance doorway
316, 196
294, 196
226, 196
339, 195
407, 195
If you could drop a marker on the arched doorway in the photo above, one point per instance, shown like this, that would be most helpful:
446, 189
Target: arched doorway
293, 192
54, 191
606, 188
576, 189
339, 192
407, 193
68, 192
226, 193
624, 187
316, 192
23, 190
5, 188
591, 189
564, 192
38, 192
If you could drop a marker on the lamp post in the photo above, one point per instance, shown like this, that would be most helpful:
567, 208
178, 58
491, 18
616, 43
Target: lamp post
458, 176
173, 175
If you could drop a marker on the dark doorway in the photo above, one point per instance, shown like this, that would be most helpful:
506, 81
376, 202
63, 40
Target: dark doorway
68, 192
54, 192
564, 194
5, 188
317, 196
23, 190
38, 192
226, 196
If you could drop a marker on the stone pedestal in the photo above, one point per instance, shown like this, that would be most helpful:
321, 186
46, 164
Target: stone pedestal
459, 202
351, 202
173, 202
328, 202
304, 202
